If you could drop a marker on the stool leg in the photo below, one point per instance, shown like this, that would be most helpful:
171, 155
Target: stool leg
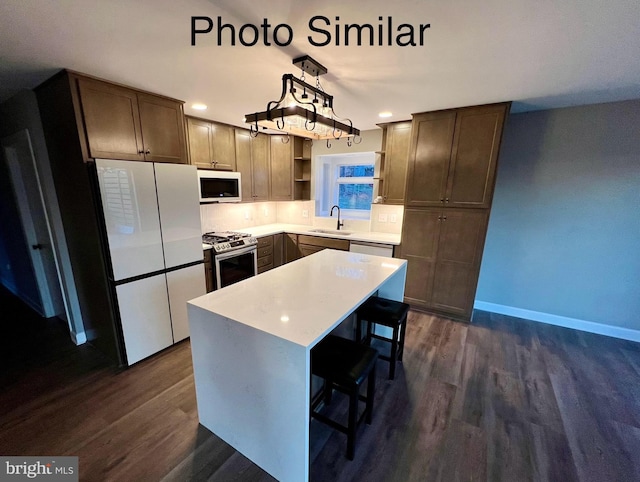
369, 328
371, 391
353, 423
403, 330
327, 391
394, 353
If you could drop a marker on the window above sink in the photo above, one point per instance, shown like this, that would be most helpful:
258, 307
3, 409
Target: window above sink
346, 180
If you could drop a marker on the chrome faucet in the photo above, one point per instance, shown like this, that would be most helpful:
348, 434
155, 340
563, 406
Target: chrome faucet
331, 214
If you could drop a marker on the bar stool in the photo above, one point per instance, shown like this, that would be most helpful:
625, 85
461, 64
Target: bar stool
344, 365
380, 311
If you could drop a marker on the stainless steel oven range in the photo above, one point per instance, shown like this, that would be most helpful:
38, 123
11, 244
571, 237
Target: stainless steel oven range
235, 256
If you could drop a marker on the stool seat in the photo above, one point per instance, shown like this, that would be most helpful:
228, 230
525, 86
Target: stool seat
344, 365
385, 312
390, 313
342, 360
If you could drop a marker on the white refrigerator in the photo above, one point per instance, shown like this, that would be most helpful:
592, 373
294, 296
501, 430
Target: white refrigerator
151, 217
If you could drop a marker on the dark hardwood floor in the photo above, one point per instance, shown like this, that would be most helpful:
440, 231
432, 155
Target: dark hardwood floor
501, 399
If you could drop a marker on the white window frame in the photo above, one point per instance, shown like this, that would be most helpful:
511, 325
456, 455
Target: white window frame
327, 182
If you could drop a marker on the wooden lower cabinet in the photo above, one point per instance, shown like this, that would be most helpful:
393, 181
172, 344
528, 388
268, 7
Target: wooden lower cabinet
298, 245
291, 251
265, 253
270, 252
443, 248
312, 244
278, 249
208, 270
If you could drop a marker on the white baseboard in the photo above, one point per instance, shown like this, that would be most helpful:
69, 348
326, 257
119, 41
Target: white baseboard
79, 338
589, 326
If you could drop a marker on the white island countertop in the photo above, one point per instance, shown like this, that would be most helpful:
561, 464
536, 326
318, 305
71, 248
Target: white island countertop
251, 346
301, 301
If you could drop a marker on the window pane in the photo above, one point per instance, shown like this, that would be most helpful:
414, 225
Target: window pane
356, 171
355, 196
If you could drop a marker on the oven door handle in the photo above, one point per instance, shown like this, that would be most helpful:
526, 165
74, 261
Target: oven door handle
236, 252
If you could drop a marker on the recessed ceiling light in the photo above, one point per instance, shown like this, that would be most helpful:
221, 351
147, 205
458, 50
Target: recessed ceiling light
199, 106
385, 114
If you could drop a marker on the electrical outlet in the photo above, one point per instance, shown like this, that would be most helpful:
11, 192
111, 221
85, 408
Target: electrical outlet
246, 214
305, 213
266, 212
393, 218
382, 218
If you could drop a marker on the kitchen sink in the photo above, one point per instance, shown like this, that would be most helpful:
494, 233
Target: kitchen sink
330, 231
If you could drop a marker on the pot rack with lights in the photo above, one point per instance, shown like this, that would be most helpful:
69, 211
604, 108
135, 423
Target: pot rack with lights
303, 109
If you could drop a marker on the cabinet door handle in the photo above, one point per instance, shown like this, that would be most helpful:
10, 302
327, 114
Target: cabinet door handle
444, 218
446, 200
441, 199
141, 151
148, 151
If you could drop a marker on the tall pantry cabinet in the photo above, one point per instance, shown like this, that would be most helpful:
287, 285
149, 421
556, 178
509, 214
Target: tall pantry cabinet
449, 189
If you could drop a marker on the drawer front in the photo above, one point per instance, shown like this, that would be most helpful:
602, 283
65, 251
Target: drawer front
266, 267
267, 251
265, 261
264, 242
331, 243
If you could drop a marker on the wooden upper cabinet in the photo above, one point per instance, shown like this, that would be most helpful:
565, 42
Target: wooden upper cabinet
252, 162
398, 140
199, 133
476, 144
223, 147
211, 145
281, 163
453, 156
429, 158
111, 121
122, 123
260, 167
162, 122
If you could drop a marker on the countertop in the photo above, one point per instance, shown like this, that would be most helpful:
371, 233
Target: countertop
302, 300
365, 236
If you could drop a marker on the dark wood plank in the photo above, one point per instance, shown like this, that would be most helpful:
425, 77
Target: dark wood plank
448, 362
462, 456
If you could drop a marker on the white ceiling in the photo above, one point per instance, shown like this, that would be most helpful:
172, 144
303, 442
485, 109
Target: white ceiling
537, 53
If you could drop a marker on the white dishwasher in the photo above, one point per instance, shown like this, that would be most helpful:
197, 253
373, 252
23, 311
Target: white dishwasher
375, 249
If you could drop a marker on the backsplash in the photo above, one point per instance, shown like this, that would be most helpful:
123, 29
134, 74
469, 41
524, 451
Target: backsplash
387, 218
232, 216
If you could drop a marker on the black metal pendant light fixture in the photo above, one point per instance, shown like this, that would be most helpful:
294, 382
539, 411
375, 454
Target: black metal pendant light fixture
303, 109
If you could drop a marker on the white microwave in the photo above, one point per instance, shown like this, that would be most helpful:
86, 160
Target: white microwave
219, 186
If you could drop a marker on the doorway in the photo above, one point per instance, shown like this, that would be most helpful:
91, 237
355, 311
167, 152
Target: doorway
33, 220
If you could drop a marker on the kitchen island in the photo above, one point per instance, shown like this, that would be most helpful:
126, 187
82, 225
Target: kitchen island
251, 345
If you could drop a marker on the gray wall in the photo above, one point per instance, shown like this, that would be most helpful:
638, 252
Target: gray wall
564, 233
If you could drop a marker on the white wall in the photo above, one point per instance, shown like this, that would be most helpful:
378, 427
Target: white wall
563, 244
